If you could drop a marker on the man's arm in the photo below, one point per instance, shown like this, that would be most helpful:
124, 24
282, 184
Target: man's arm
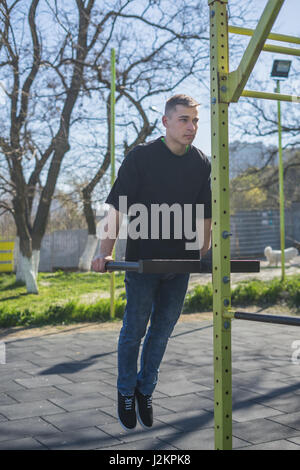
111, 230
207, 237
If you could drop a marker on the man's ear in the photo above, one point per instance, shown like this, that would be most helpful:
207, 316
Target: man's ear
165, 121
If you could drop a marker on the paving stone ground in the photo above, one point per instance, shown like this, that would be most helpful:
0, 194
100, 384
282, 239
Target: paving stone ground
58, 391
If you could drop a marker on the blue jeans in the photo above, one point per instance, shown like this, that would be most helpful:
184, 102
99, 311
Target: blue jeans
158, 297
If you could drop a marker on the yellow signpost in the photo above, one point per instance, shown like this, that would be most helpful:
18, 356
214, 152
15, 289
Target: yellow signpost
6, 256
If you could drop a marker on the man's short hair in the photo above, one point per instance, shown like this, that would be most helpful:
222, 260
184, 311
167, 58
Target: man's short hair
181, 99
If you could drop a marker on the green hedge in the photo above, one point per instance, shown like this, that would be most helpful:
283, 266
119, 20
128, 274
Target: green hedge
199, 300
249, 292
71, 312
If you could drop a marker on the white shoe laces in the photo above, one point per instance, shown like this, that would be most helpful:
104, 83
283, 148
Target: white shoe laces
128, 403
149, 402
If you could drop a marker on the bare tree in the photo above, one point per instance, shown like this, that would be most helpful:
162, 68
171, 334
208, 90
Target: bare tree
54, 67
49, 72
32, 68
258, 118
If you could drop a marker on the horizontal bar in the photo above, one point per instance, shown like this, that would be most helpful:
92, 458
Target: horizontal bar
271, 96
180, 266
281, 50
272, 36
122, 266
276, 319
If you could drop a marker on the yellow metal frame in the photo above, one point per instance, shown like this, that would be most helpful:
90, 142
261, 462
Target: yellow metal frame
227, 87
238, 78
220, 227
270, 96
271, 36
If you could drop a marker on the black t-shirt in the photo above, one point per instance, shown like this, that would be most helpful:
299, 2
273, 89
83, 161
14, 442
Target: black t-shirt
152, 176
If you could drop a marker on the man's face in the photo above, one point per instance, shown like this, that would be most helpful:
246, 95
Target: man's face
182, 124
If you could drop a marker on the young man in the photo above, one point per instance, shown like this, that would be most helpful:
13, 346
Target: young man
167, 171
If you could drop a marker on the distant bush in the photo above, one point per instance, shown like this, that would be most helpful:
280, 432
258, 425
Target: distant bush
200, 299
254, 292
268, 293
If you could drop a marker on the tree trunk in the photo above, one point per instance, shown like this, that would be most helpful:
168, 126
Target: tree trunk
27, 263
19, 273
87, 256
27, 268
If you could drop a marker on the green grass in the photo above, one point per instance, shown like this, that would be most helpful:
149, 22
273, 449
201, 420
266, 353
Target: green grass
85, 297
63, 297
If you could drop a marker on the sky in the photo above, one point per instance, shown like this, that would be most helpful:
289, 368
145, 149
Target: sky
287, 22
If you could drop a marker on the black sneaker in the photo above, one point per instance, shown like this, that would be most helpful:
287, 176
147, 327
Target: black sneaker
126, 411
144, 409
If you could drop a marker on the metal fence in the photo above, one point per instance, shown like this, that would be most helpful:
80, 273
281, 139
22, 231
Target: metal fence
252, 231
62, 249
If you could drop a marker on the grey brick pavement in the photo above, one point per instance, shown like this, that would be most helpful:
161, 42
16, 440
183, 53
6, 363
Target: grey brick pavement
58, 391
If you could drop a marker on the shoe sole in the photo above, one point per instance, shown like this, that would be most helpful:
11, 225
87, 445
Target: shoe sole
139, 418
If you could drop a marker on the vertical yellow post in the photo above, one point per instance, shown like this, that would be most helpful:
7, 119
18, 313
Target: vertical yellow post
112, 163
281, 190
221, 225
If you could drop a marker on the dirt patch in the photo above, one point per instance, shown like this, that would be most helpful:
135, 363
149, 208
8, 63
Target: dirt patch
9, 334
28, 332
15, 333
93, 297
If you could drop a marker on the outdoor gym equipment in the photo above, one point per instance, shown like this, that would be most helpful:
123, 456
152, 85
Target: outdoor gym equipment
204, 266
227, 87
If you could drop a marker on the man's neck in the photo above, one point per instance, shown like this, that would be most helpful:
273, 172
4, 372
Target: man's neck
175, 147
